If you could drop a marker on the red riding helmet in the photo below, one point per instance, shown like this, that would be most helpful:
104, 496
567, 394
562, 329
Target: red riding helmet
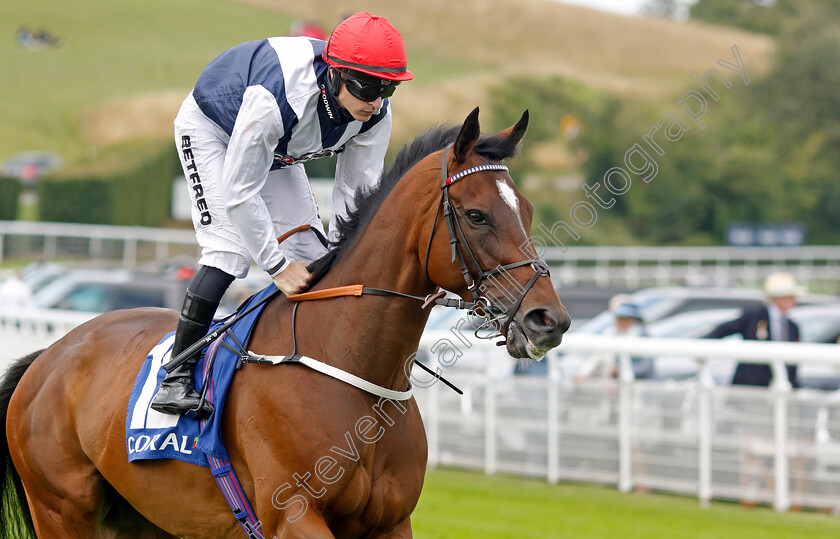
368, 44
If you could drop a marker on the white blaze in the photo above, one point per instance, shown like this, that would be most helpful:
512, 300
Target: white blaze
509, 196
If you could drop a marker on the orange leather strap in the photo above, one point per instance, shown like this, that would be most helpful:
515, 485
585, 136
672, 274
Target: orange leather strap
350, 290
295, 230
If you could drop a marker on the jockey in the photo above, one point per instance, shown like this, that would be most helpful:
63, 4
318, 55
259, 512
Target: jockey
257, 113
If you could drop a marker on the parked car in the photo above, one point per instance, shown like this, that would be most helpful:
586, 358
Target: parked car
101, 291
692, 325
662, 302
584, 303
39, 274
693, 312
688, 325
818, 324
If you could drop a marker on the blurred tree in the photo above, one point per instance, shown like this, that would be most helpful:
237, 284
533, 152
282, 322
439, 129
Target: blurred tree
551, 101
767, 16
607, 137
770, 151
800, 101
801, 91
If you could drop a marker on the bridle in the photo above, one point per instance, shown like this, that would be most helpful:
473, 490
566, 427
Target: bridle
459, 245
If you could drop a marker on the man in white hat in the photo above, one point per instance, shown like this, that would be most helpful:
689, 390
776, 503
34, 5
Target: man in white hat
766, 323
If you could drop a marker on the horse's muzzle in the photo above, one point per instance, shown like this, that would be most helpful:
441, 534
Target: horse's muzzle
538, 331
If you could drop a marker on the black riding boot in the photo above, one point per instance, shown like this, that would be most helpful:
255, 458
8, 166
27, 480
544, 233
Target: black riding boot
176, 394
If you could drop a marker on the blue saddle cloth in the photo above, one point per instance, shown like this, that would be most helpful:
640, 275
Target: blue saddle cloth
153, 435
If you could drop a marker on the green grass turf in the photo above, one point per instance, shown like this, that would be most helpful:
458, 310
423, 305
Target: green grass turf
469, 505
461, 505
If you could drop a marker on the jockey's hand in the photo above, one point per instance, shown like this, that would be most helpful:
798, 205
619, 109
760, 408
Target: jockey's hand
293, 279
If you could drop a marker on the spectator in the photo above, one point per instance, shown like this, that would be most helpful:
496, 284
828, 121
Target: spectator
765, 323
15, 293
628, 322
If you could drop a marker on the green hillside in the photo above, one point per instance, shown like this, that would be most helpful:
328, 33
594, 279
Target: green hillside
123, 66
108, 50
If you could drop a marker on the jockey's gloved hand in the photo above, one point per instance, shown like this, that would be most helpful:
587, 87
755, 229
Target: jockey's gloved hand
293, 279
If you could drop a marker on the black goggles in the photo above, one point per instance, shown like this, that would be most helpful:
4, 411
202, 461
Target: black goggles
369, 91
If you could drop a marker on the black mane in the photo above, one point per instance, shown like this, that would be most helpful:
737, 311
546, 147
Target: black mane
368, 201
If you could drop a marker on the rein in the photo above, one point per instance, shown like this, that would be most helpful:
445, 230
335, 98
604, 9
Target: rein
359, 290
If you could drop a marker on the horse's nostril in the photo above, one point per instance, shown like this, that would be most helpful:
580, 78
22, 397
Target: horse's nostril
540, 320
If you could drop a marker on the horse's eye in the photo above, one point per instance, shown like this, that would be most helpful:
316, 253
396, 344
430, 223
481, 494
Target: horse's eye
476, 217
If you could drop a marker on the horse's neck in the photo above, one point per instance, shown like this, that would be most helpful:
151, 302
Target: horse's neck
383, 331
370, 336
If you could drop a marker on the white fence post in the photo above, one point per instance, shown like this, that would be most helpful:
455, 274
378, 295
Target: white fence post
625, 410
130, 251
704, 411
490, 420
50, 247
161, 251
553, 427
95, 248
781, 389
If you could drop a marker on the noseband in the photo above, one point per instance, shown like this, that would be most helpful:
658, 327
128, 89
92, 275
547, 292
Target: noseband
459, 245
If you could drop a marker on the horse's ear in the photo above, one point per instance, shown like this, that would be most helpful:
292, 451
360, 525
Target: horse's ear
468, 136
517, 131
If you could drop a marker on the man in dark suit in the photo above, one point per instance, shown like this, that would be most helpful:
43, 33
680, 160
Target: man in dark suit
767, 323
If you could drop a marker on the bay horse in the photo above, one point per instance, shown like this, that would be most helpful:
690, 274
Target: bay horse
65, 407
